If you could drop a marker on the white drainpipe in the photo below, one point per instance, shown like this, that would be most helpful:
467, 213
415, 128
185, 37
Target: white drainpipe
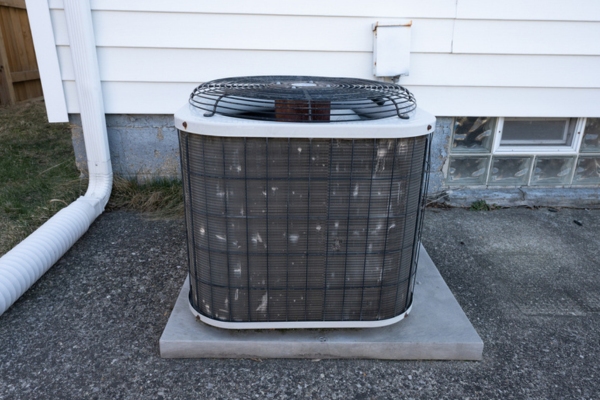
29, 260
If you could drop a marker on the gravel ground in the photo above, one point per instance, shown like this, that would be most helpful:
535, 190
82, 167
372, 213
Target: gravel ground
527, 279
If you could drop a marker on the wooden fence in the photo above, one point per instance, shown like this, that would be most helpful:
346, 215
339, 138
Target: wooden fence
19, 75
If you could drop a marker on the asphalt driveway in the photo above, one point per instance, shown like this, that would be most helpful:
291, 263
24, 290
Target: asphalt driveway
527, 279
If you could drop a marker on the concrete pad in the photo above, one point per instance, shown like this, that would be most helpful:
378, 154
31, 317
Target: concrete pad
436, 329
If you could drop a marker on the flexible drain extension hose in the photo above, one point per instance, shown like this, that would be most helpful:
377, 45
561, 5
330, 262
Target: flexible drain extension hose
21, 267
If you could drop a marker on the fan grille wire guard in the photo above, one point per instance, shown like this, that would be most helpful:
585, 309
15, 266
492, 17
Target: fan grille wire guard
303, 99
303, 229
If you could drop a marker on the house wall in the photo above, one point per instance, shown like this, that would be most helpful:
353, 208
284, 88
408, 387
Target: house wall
468, 58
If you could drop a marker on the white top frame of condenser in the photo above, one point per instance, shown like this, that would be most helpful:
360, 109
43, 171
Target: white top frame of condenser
191, 119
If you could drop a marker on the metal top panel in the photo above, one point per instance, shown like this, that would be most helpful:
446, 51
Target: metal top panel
192, 119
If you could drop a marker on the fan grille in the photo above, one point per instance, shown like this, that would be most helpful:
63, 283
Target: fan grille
302, 229
303, 99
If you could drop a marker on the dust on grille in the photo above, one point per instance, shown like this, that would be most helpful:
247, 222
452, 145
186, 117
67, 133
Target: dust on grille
302, 229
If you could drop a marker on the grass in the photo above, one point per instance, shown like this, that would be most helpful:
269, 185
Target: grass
37, 171
161, 198
482, 205
38, 176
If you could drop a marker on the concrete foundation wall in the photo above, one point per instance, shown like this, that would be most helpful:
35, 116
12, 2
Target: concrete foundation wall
439, 154
525, 196
143, 147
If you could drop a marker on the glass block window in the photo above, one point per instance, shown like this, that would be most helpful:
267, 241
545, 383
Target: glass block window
552, 171
587, 171
591, 137
515, 152
473, 134
510, 171
538, 131
468, 171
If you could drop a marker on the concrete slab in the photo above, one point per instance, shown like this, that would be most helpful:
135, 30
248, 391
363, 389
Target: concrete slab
436, 329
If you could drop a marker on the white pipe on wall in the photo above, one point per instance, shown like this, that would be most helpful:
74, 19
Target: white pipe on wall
29, 260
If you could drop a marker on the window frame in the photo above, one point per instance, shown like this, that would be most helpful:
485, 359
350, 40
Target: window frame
538, 150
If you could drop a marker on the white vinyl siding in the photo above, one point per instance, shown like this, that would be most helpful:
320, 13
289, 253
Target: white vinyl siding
248, 32
509, 101
347, 8
527, 37
527, 10
469, 57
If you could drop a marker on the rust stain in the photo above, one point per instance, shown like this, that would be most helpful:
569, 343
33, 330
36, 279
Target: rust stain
377, 24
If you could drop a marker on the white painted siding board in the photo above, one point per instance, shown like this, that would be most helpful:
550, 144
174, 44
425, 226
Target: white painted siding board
59, 24
249, 32
356, 8
136, 97
126, 29
504, 71
65, 60
71, 96
161, 65
540, 10
431, 36
509, 102
187, 65
526, 37
47, 60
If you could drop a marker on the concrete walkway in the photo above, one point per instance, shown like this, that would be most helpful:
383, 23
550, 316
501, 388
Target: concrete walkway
527, 279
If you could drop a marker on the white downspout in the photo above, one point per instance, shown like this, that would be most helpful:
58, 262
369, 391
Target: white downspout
29, 260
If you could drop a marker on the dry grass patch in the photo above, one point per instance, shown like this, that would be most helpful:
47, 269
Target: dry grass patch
160, 198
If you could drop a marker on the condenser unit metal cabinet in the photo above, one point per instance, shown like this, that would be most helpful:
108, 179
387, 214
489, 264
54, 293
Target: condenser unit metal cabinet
303, 201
